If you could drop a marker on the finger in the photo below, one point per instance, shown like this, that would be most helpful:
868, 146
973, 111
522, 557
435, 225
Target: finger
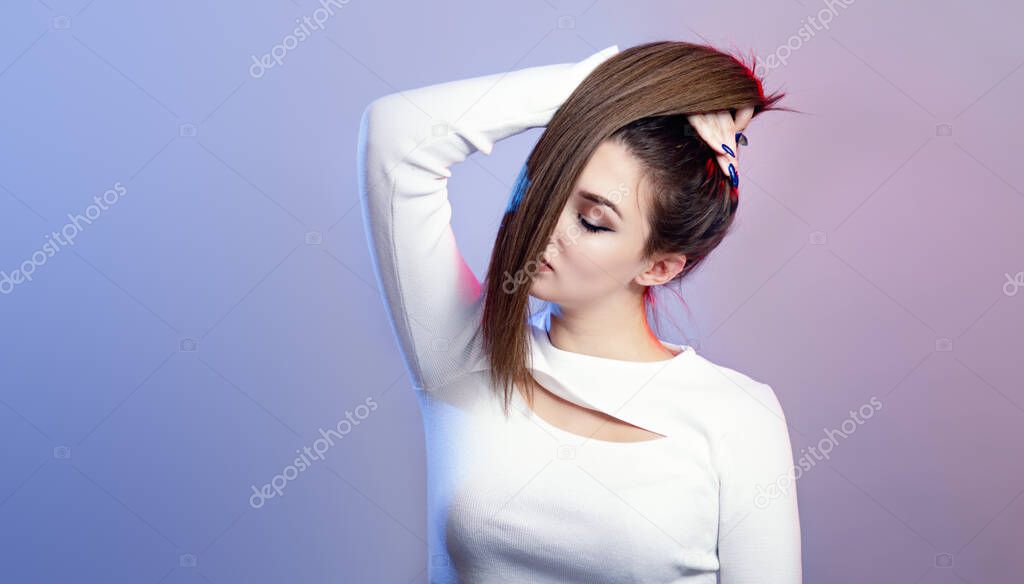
708, 131
743, 118
700, 122
727, 142
724, 161
717, 130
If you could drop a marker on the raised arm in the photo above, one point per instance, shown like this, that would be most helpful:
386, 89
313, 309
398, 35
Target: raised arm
759, 524
407, 143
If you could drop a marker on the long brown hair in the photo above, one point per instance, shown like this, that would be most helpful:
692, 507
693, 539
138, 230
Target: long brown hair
640, 97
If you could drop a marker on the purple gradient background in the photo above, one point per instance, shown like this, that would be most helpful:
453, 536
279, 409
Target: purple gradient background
871, 258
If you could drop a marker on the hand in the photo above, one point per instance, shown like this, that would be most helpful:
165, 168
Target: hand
719, 130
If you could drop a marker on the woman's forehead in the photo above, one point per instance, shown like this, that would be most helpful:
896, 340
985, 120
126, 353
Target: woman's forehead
615, 173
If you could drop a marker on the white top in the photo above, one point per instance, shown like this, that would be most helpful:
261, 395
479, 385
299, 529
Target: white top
517, 499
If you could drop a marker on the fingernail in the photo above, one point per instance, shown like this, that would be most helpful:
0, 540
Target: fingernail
729, 150
741, 139
734, 175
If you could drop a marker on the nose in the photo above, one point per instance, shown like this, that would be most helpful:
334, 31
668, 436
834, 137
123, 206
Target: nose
550, 251
555, 243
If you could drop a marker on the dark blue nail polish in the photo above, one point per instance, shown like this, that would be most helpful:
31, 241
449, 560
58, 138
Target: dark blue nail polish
729, 150
741, 139
735, 176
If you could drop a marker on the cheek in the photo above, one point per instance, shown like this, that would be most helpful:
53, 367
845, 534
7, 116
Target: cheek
602, 257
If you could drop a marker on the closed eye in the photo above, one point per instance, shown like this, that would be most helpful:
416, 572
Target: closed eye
589, 226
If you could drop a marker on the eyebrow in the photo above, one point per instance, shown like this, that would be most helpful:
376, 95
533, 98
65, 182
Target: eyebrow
596, 198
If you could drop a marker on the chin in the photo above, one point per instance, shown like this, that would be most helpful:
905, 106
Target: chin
542, 291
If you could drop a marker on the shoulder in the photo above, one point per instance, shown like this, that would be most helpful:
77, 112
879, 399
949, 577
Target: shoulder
738, 402
747, 430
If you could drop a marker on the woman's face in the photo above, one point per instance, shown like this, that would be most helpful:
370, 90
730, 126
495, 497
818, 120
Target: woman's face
595, 251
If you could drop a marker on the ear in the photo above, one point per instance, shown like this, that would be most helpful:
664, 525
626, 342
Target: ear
662, 269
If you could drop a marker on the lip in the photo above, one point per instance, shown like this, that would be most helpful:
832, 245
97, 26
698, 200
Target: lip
545, 267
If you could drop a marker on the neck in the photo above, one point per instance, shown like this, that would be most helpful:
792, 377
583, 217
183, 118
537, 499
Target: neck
620, 333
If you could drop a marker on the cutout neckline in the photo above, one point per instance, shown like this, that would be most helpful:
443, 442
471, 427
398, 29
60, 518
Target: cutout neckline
645, 394
614, 368
580, 439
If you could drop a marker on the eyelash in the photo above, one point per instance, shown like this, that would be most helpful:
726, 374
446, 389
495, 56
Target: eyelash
588, 226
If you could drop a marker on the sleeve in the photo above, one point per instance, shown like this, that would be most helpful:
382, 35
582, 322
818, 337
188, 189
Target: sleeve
407, 143
759, 524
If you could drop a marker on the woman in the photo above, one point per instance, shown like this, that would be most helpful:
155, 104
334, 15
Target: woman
578, 446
